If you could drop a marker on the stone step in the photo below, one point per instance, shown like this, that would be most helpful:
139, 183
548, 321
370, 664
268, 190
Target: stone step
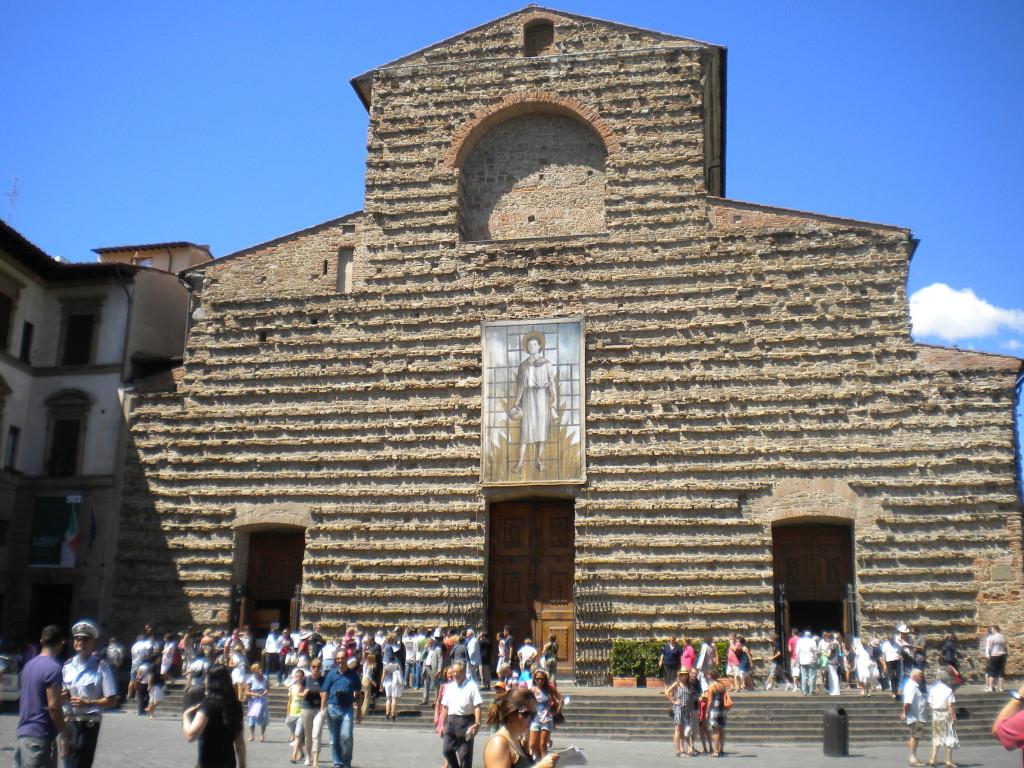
756, 717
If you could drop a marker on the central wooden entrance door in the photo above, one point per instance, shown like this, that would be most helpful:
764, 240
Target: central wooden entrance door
272, 578
530, 574
813, 566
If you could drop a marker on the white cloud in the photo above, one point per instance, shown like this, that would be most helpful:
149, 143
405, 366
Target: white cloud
1013, 345
938, 310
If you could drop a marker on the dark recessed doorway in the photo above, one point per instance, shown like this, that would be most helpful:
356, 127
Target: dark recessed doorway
813, 570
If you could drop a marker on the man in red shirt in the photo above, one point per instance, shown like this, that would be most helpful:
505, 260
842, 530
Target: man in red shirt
794, 665
1009, 724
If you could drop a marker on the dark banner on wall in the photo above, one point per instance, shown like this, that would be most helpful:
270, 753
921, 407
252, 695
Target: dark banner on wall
55, 532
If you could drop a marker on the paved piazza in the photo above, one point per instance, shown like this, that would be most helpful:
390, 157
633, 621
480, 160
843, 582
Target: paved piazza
129, 741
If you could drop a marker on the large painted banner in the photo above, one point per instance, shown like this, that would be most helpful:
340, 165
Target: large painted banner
533, 402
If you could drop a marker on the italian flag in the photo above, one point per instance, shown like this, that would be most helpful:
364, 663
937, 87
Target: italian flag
69, 547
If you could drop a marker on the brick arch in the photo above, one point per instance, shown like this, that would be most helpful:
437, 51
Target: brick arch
528, 103
286, 516
812, 500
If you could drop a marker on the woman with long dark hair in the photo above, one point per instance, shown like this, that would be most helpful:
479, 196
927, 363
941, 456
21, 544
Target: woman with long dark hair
547, 704
217, 722
512, 715
312, 718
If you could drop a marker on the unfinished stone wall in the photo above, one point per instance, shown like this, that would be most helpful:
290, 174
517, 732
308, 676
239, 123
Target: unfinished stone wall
743, 364
534, 176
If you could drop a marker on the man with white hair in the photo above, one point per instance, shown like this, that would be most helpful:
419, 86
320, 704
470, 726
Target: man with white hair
460, 718
807, 658
913, 711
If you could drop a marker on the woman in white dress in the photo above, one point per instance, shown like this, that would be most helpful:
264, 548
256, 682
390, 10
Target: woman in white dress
940, 701
536, 400
867, 670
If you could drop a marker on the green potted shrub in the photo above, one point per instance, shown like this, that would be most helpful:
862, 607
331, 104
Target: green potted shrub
633, 662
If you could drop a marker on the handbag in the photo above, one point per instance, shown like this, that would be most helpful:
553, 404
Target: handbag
257, 706
727, 699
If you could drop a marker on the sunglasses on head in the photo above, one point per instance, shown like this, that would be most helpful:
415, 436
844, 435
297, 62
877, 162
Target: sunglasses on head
526, 712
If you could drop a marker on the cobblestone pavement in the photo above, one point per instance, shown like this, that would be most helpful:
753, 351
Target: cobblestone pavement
129, 741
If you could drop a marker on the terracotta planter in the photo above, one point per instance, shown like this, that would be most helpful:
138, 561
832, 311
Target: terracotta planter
656, 682
623, 682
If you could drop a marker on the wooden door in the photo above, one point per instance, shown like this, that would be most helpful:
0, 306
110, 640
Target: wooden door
531, 572
275, 564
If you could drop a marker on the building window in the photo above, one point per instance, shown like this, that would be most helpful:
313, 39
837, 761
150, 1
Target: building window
66, 434
6, 316
25, 352
78, 336
11, 451
538, 38
8, 299
79, 326
345, 269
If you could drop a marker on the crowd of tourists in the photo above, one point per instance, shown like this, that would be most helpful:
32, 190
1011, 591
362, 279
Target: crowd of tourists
827, 663
699, 682
333, 680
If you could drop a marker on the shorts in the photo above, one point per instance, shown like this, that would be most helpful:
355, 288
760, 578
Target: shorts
732, 670
548, 726
916, 730
996, 666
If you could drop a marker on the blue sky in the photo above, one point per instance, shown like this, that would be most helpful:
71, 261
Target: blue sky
232, 123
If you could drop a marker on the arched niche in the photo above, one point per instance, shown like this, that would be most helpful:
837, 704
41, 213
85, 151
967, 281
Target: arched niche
533, 165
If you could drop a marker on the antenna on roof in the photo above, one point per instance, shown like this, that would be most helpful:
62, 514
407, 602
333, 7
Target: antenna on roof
12, 198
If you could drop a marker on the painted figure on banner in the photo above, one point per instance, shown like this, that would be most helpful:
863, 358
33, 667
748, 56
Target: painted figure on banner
536, 400
533, 402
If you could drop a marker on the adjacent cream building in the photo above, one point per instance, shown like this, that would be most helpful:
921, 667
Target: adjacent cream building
71, 335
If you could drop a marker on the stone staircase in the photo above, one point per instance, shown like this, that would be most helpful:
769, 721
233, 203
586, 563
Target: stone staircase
756, 717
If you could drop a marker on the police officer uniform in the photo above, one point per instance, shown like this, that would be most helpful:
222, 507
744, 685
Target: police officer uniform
90, 682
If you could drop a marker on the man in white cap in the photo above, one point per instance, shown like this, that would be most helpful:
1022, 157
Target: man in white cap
89, 688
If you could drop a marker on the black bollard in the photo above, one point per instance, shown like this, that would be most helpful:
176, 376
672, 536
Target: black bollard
836, 736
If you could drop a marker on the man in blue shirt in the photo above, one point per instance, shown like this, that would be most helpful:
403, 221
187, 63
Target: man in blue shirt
41, 717
341, 698
90, 688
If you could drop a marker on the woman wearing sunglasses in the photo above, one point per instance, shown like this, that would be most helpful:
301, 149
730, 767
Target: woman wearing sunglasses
543, 723
512, 715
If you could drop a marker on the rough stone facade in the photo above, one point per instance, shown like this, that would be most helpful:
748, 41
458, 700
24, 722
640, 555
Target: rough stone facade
746, 366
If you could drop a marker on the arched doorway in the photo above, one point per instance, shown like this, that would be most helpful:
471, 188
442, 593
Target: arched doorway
273, 577
814, 577
530, 574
